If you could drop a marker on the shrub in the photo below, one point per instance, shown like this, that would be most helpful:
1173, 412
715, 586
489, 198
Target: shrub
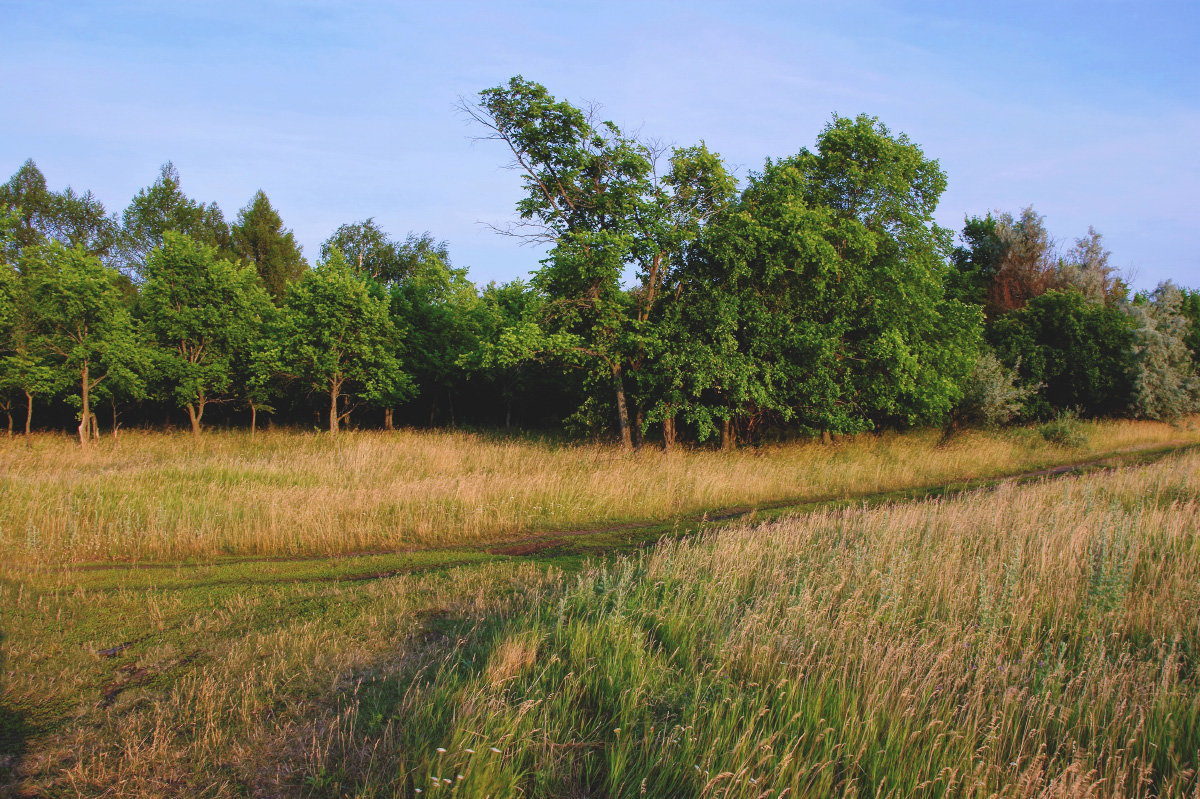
1064, 430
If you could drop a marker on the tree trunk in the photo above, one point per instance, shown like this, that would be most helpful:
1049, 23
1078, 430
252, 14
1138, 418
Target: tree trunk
28, 415
334, 393
622, 408
113, 402
669, 433
253, 418
387, 419
727, 434
85, 409
639, 425
508, 417
8, 413
194, 417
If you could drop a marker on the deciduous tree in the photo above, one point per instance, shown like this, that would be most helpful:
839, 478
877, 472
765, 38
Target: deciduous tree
200, 310
83, 322
336, 336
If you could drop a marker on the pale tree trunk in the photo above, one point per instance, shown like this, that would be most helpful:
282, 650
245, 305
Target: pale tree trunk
116, 424
622, 407
253, 418
28, 414
387, 419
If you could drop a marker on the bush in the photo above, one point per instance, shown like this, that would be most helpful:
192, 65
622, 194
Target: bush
991, 396
1064, 430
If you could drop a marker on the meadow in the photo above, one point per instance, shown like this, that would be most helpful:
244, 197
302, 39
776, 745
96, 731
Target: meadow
1015, 640
153, 497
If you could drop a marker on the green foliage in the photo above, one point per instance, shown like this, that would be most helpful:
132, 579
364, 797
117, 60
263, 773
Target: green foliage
25, 366
335, 335
1165, 382
1079, 350
258, 236
370, 250
976, 261
593, 192
1064, 429
199, 310
84, 325
1189, 308
992, 396
830, 309
67, 217
161, 207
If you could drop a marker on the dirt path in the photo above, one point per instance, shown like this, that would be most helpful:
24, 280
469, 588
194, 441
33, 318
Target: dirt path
609, 539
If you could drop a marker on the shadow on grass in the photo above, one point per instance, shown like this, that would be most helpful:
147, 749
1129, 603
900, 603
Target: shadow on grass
15, 732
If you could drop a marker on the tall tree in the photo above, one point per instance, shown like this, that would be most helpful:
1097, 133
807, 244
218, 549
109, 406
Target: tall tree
258, 235
200, 310
436, 308
593, 193
336, 336
25, 367
84, 324
367, 248
67, 216
163, 206
825, 305
1086, 269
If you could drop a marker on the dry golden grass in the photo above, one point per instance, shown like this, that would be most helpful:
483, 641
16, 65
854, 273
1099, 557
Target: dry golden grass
1036, 641
1032, 641
150, 496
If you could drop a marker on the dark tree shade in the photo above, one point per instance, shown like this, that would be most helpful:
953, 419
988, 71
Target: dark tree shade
1080, 351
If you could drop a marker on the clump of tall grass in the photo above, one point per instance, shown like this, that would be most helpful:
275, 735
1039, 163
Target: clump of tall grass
1033, 641
150, 496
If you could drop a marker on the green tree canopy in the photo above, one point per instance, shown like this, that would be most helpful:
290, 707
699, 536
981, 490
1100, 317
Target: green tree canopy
335, 335
161, 207
67, 216
200, 310
1080, 351
1165, 382
825, 301
83, 322
258, 236
593, 193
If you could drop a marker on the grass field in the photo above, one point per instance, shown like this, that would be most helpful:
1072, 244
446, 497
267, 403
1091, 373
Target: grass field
147, 496
1024, 640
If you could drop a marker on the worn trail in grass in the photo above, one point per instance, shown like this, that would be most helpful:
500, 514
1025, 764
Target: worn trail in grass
343, 675
565, 549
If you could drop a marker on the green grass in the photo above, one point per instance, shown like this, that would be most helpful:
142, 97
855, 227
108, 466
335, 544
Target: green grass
1029, 639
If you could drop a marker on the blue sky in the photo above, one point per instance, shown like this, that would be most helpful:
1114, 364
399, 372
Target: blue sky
1089, 111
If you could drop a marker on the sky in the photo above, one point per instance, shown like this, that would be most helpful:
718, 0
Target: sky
339, 111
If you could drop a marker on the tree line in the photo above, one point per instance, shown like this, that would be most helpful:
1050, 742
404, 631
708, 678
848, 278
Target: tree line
673, 303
